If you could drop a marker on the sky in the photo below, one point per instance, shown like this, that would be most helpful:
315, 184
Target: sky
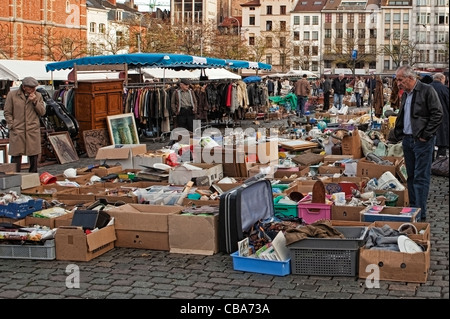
143, 5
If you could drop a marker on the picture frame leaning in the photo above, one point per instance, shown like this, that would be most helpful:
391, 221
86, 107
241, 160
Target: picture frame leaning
122, 129
63, 147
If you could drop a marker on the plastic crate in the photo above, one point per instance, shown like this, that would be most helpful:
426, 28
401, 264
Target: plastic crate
329, 256
284, 210
21, 210
261, 266
312, 212
44, 251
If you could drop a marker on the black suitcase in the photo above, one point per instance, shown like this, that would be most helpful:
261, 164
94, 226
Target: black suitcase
240, 208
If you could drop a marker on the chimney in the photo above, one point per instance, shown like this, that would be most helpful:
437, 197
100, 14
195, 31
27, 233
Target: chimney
113, 2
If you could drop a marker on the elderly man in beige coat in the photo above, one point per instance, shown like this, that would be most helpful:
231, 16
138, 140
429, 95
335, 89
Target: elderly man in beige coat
23, 109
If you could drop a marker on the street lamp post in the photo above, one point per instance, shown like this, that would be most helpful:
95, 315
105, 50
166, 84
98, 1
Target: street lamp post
238, 33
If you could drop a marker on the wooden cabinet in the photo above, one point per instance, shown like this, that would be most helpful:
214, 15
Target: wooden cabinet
95, 100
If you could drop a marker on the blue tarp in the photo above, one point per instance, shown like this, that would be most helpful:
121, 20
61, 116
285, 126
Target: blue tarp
142, 59
252, 79
239, 64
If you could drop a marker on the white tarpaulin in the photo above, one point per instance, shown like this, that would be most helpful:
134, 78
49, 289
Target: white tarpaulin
212, 74
16, 70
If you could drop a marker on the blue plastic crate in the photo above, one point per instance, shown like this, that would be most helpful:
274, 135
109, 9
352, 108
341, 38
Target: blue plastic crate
21, 210
393, 214
261, 266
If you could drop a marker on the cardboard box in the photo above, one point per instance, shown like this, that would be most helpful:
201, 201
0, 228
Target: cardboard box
143, 226
29, 180
73, 244
330, 169
141, 161
113, 156
30, 221
366, 168
401, 214
193, 234
8, 168
180, 175
403, 197
81, 179
349, 213
423, 229
351, 145
395, 266
103, 171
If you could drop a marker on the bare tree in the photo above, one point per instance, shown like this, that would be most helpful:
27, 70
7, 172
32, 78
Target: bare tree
258, 49
278, 41
401, 50
56, 45
342, 50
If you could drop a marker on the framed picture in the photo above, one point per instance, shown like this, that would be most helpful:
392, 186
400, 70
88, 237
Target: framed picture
63, 147
122, 129
94, 140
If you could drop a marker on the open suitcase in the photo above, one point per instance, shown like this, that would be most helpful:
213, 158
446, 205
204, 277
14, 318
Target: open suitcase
240, 208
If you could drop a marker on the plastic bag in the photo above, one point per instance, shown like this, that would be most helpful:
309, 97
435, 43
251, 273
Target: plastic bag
440, 166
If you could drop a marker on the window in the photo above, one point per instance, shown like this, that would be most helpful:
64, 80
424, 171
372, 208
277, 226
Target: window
361, 33
305, 65
92, 47
314, 66
339, 18
306, 50
405, 17
327, 64
423, 18
373, 33
372, 49
306, 35
440, 18
351, 18
373, 65
328, 17
396, 34
306, 21
296, 36
362, 18
296, 50
296, 20
397, 17
282, 42
361, 49
441, 3
282, 9
296, 65
269, 10
327, 48
421, 3
315, 35
387, 65
315, 50
282, 25
405, 34
92, 26
387, 35
282, 59
328, 33
268, 25
119, 38
338, 48
119, 15
421, 36
101, 28
269, 42
339, 33
269, 58
315, 20
387, 17
440, 56
251, 40
441, 37
351, 33
251, 20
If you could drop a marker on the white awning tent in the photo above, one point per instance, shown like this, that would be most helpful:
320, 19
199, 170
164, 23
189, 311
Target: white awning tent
293, 73
16, 70
212, 74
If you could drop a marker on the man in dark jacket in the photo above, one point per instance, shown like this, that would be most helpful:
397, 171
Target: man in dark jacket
442, 132
418, 119
371, 84
339, 86
326, 85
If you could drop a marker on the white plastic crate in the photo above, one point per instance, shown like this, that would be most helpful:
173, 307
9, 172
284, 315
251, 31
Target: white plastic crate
44, 251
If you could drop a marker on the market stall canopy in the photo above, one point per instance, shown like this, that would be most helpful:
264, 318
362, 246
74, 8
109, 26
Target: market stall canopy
239, 64
15, 70
212, 74
164, 60
299, 73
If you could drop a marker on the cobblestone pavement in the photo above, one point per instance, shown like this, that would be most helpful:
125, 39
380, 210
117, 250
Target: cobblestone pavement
124, 273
